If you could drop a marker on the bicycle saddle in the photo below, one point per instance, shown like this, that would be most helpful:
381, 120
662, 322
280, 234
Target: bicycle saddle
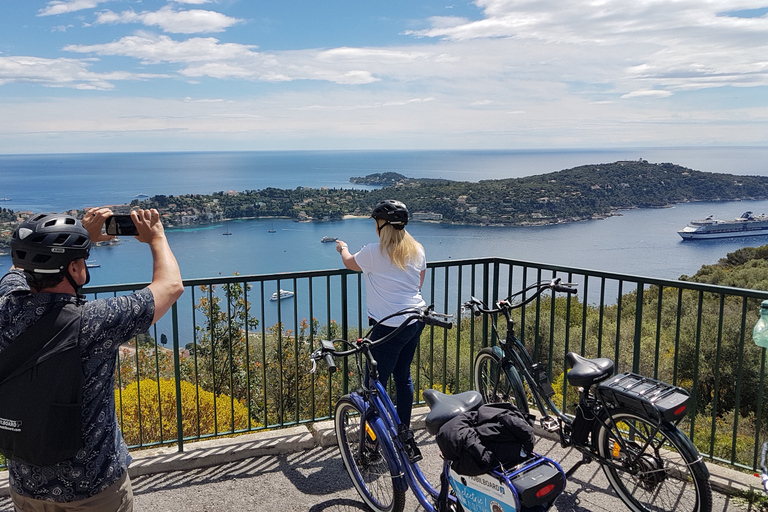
444, 407
586, 372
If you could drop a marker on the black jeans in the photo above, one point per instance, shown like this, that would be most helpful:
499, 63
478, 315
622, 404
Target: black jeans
394, 358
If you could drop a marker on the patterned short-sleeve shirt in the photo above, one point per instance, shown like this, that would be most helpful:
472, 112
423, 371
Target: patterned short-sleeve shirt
106, 324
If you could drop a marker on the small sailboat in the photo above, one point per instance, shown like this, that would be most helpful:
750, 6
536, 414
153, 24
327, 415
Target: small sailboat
272, 230
226, 230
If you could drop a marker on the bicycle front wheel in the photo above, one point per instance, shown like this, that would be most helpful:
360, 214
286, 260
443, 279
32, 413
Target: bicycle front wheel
368, 467
654, 469
497, 382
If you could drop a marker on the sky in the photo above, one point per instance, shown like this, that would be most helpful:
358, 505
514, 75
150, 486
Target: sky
186, 75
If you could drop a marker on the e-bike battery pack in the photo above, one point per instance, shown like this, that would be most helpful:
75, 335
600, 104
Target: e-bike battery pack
645, 396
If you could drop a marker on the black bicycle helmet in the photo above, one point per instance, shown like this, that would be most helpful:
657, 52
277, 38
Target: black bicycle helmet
45, 243
393, 212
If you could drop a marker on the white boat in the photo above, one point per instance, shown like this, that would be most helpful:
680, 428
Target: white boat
282, 294
92, 263
746, 225
327, 239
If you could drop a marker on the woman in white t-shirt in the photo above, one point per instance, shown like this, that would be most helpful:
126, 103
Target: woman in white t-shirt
393, 270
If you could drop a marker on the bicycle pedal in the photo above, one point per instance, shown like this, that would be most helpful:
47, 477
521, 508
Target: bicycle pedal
412, 451
409, 444
550, 424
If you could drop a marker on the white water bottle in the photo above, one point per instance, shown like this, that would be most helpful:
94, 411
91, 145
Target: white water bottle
760, 332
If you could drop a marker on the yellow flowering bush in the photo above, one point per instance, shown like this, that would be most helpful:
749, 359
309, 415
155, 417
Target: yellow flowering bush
202, 413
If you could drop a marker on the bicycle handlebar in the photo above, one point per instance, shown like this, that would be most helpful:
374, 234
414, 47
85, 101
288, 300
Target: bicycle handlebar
328, 351
478, 307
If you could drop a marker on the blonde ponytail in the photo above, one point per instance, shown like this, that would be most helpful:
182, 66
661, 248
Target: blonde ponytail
397, 244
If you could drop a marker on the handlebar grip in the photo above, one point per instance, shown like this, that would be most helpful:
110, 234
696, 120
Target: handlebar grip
331, 363
430, 320
564, 288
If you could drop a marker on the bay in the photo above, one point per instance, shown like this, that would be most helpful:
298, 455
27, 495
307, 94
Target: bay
640, 242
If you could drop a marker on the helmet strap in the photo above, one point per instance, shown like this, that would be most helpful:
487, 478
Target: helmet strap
78, 287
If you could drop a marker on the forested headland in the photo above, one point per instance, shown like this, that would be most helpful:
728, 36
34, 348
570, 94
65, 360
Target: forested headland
581, 193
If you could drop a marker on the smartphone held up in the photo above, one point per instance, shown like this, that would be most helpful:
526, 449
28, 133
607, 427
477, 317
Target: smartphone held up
120, 225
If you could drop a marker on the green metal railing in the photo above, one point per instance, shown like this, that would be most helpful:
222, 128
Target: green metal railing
238, 361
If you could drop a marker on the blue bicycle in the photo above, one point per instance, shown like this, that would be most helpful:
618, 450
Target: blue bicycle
381, 455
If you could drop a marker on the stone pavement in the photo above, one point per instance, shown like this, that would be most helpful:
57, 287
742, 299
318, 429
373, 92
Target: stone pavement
299, 468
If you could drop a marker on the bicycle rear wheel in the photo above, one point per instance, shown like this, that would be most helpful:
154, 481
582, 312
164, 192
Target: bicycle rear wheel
498, 383
657, 471
368, 468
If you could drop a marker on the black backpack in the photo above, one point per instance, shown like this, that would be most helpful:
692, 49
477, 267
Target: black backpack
478, 441
41, 390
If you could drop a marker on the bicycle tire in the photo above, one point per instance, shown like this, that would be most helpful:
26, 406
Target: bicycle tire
370, 472
667, 476
498, 384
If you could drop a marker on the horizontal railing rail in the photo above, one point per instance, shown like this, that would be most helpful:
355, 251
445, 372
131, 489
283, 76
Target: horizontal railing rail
228, 359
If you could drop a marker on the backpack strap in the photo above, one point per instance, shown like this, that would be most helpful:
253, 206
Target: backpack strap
50, 335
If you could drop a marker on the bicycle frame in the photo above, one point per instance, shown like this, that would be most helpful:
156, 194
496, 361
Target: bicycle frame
514, 353
381, 415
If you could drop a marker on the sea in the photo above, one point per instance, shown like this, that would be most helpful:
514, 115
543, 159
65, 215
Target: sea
641, 242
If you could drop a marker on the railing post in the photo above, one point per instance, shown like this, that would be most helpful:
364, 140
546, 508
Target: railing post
638, 327
177, 377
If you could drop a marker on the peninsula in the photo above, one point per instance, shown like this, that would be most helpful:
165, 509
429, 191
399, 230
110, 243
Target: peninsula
581, 193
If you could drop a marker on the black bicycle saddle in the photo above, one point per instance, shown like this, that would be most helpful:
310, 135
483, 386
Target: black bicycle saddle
444, 407
586, 372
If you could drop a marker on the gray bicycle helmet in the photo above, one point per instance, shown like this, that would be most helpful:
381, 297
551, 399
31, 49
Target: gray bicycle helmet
45, 243
393, 212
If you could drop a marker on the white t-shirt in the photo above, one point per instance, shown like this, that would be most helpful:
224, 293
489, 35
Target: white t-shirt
387, 288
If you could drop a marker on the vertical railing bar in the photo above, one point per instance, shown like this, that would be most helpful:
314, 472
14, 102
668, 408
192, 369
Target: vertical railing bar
567, 339
677, 334
445, 331
279, 342
265, 381
313, 380
601, 318
231, 361
212, 334
584, 312
716, 394
157, 375
659, 313
197, 369
177, 377
432, 333
638, 326
617, 342
552, 336
737, 402
247, 306
694, 391
759, 418
296, 348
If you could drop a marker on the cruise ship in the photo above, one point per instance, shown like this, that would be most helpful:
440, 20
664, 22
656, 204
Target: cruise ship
746, 225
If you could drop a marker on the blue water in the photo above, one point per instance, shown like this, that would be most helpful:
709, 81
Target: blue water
641, 242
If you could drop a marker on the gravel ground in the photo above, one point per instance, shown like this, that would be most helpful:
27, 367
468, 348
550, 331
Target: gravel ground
316, 481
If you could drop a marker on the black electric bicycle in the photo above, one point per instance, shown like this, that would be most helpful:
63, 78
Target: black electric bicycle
627, 423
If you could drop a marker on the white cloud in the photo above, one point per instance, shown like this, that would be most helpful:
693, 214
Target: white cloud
63, 7
208, 57
69, 73
192, 21
647, 94
681, 45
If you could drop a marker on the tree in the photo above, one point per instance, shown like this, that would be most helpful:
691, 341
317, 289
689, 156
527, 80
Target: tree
220, 353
